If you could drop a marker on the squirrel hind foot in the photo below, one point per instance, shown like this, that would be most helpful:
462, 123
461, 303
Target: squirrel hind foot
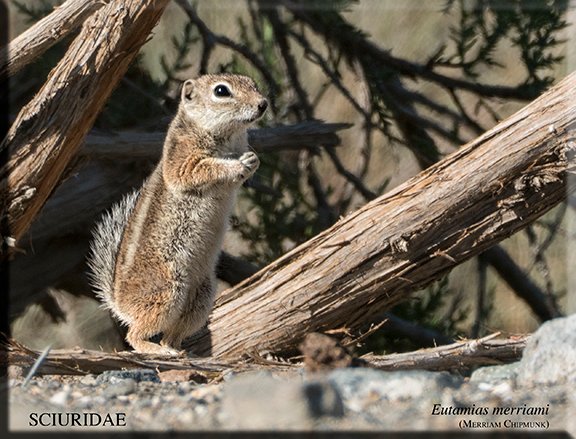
139, 341
148, 347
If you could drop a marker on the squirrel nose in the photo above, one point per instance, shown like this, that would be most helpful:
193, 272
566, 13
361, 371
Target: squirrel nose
262, 106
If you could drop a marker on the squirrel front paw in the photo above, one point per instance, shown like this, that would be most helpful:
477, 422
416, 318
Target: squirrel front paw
249, 162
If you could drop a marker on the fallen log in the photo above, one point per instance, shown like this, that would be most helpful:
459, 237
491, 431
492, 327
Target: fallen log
464, 354
377, 256
136, 145
49, 130
461, 355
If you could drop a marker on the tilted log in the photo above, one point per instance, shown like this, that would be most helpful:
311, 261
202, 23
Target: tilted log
49, 130
32, 43
374, 258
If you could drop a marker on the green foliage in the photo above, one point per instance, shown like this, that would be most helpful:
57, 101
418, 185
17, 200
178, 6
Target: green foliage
181, 62
531, 26
279, 217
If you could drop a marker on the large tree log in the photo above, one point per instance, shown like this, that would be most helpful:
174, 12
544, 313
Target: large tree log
50, 129
32, 43
374, 258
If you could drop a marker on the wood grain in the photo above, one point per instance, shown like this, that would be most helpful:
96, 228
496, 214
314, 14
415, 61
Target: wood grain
49, 130
402, 241
37, 39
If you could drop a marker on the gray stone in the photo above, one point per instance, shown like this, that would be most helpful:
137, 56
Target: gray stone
138, 375
62, 397
550, 354
256, 401
361, 386
89, 380
323, 399
494, 374
121, 388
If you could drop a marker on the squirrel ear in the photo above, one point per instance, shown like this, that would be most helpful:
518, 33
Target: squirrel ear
187, 89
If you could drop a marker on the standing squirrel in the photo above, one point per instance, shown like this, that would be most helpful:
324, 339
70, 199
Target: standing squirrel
153, 256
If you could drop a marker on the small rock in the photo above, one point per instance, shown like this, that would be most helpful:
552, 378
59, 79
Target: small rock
138, 375
323, 399
15, 372
207, 394
120, 388
361, 387
259, 401
85, 402
88, 380
495, 374
322, 352
550, 354
62, 397
176, 375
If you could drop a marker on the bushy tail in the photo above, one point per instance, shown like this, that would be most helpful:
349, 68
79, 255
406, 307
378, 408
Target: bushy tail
104, 247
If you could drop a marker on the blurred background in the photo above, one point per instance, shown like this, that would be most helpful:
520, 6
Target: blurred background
415, 81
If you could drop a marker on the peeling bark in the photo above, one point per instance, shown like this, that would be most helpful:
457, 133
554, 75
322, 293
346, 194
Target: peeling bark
49, 130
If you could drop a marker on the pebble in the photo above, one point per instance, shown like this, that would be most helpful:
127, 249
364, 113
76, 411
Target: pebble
340, 399
138, 375
121, 387
62, 397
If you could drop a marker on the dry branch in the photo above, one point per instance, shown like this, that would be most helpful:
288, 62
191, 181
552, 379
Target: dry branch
374, 258
127, 145
32, 43
460, 355
50, 129
457, 356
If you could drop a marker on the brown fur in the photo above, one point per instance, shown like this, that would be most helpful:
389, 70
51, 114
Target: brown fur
164, 266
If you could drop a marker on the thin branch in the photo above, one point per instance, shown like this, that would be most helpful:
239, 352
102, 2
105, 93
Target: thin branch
279, 30
355, 46
355, 181
520, 283
210, 39
457, 356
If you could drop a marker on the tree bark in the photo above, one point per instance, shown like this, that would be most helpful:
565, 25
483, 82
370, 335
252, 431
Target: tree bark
32, 43
374, 258
50, 129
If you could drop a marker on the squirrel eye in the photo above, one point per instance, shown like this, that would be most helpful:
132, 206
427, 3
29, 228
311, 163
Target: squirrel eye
222, 91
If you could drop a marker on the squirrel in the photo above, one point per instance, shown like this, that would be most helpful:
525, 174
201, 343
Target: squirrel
153, 256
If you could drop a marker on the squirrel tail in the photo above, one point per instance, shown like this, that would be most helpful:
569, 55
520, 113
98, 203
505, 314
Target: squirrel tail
107, 236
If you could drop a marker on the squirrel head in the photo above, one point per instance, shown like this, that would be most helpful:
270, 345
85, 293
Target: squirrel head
224, 104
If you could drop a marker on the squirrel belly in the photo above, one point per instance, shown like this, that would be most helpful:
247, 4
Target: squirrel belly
153, 256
